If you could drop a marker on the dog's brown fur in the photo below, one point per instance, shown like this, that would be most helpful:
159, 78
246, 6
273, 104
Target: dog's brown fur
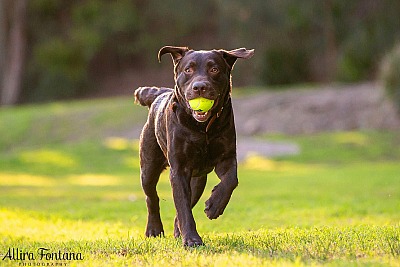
191, 143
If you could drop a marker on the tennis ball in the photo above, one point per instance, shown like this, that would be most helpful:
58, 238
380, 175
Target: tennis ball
201, 104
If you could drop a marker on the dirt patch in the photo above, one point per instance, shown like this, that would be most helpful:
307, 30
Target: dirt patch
250, 146
333, 108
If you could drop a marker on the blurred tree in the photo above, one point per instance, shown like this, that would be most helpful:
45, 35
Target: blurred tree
73, 43
67, 38
367, 29
190, 23
12, 48
3, 32
323, 41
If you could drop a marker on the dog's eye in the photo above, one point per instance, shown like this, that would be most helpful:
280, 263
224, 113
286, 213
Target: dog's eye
214, 70
188, 70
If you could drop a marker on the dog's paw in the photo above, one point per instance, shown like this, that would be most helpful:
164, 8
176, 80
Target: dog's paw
216, 204
193, 241
153, 230
154, 233
214, 208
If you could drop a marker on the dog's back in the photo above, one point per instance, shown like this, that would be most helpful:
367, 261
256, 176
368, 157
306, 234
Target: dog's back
145, 96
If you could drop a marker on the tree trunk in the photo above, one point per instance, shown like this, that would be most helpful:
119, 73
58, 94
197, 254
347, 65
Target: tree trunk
3, 38
15, 57
330, 56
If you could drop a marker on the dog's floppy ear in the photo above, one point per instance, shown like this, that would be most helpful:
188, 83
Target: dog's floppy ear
177, 53
231, 56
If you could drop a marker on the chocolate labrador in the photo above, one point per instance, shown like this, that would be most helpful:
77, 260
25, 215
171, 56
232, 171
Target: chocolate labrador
192, 143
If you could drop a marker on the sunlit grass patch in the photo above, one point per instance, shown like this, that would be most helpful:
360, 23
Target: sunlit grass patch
118, 143
94, 180
48, 157
351, 138
19, 179
76, 158
260, 163
344, 147
34, 227
334, 246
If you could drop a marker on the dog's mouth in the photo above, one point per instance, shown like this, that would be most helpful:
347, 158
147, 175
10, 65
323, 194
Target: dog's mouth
201, 116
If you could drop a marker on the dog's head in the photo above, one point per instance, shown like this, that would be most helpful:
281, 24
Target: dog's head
203, 74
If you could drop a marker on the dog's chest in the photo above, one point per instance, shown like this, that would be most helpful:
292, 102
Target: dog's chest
203, 155
200, 157
192, 151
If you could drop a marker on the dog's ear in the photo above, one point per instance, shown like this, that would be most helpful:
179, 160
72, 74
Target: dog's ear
231, 56
177, 53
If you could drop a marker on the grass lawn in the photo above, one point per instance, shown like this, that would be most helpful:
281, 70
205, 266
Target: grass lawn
70, 190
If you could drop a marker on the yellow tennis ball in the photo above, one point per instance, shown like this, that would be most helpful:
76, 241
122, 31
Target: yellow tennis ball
201, 104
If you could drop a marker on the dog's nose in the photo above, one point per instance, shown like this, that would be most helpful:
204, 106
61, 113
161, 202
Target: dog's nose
199, 86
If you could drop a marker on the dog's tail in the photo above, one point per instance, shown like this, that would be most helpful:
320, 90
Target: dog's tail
145, 96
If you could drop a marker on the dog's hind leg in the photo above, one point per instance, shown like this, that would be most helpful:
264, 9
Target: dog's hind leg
197, 186
152, 163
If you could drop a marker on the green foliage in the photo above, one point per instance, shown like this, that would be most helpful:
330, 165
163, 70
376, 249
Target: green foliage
364, 32
65, 48
390, 75
73, 43
65, 186
284, 65
323, 40
61, 69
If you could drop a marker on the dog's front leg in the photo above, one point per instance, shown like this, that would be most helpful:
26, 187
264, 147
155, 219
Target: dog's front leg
180, 182
221, 193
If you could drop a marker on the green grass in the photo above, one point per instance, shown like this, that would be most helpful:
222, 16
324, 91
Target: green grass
68, 184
